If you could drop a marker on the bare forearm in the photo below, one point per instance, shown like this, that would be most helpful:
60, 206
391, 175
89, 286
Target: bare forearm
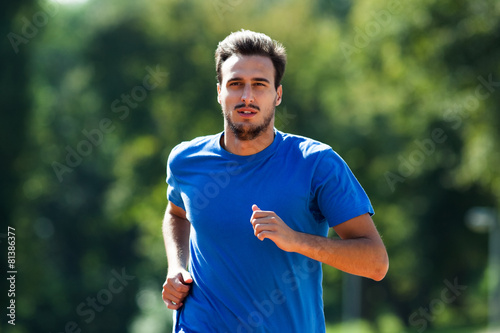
360, 250
176, 229
358, 256
176, 237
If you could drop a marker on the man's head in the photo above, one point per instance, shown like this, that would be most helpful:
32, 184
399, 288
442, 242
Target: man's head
247, 43
249, 70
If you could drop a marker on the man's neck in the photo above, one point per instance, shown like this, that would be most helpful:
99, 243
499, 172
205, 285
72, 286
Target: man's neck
247, 147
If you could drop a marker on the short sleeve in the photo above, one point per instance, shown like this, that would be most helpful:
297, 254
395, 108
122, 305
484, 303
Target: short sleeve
338, 194
173, 190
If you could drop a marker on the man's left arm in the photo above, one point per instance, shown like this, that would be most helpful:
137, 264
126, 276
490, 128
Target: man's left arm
359, 251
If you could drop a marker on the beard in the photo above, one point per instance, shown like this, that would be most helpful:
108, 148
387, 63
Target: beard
245, 132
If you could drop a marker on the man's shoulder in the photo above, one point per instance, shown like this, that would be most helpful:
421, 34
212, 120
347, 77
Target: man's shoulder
306, 146
193, 147
313, 154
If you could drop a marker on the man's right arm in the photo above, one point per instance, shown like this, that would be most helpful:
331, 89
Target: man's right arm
176, 230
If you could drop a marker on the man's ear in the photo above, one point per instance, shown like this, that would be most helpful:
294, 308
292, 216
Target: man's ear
218, 93
279, 91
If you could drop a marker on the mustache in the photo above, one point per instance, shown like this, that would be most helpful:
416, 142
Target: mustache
243, 105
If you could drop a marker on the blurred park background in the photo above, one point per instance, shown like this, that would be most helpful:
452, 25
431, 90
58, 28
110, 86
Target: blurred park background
95, 94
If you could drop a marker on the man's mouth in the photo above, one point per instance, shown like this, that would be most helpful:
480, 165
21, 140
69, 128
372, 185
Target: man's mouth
246, 112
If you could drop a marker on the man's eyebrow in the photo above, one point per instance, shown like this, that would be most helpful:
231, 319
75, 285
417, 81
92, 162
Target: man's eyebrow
258, 79
261, 79
234, 79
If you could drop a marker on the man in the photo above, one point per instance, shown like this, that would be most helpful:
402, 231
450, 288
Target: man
250, 209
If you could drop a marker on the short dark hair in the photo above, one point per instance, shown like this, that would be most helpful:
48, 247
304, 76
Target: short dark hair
246, 42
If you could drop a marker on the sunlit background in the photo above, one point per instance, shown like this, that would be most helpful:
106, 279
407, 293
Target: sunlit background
94, 95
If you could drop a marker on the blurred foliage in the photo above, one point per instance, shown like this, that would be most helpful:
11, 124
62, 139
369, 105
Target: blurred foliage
98, 93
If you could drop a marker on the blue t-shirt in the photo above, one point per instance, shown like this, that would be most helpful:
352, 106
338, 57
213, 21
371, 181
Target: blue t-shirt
242, 284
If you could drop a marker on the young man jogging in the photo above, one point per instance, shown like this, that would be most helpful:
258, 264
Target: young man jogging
249, 210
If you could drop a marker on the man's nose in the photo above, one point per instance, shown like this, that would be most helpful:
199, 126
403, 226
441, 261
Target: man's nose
247, 94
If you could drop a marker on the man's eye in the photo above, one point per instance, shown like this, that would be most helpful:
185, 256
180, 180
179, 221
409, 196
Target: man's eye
234, 84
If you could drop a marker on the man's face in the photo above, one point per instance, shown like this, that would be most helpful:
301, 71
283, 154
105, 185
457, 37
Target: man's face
247, 95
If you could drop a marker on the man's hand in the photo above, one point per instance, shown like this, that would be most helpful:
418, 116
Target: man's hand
359, 251
176, 288
266, 224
